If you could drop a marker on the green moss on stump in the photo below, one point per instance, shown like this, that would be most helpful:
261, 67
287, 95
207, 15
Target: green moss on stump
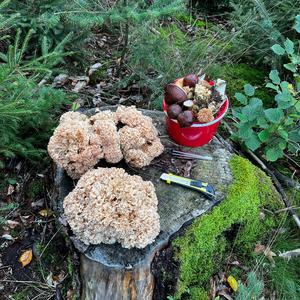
201, 250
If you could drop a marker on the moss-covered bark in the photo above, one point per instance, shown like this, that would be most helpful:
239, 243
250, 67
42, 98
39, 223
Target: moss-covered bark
201, 251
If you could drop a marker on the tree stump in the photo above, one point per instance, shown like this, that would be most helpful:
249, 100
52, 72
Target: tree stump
110, 272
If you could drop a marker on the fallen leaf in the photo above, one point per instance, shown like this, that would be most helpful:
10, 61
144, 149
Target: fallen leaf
232, 282
46, 213
259, 248
12, 224
26, 257
269, 254
10, 190
7, 237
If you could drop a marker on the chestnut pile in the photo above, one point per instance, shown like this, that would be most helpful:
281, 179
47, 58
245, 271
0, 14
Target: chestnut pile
191, 99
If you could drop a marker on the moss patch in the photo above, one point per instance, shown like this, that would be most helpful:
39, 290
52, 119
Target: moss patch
237, 75
201, 250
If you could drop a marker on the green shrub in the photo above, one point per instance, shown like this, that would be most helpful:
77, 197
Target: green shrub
260, 24
253, 290
47, 20
276, 129
27, 110
201, 249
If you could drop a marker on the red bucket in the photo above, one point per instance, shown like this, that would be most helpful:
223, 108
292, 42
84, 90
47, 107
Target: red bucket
198, 134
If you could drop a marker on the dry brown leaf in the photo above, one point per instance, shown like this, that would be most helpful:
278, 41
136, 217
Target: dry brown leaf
10, 190
12, 224
259, 248
46, 213
26, 258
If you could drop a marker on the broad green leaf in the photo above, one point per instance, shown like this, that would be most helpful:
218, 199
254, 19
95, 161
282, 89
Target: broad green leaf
277, 49
290, 67
283, 133
245, 131
274, 76
288, 121
282, 144
253, 142
293, 148
249, 89
241, 98
295, 59
284, 100
262, 122
297, 24
272, 86
274, 115
294, 136
289, 46
253, 110
272, 154
264, 135
240, 116
285, 86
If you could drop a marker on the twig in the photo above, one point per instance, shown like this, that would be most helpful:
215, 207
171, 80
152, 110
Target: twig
50, 240
285, 209
289, 182
278, 187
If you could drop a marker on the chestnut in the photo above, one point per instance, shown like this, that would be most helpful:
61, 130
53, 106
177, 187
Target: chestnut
185, 119
173, 111
174, 94
190, 80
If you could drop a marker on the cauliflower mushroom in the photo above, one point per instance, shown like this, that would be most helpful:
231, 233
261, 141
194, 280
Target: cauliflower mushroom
108, 205
139, 139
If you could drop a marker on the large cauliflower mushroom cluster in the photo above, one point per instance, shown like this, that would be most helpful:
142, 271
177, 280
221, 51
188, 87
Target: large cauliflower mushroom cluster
139, 139
79, 142
74, 146
108, 205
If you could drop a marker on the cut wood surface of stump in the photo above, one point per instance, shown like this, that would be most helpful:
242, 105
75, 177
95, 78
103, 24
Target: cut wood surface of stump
110, 272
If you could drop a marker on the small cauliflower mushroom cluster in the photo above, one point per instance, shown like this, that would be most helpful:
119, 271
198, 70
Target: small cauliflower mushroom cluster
139, 138
108, 205
79, 142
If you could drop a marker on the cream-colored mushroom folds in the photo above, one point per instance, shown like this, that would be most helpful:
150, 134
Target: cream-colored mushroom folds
108, 205
79, 142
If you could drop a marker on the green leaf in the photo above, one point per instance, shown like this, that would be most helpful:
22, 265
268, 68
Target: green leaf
290, 67
241, 98
245, 131
262, 122
253, 142
283, 133
285, 87
297, 24
253, 110
274, 76
289, 46
274, 115
294, 136
288, 121
249, 89
284, 100
264, 135
277, 49
272, 154
272, 86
